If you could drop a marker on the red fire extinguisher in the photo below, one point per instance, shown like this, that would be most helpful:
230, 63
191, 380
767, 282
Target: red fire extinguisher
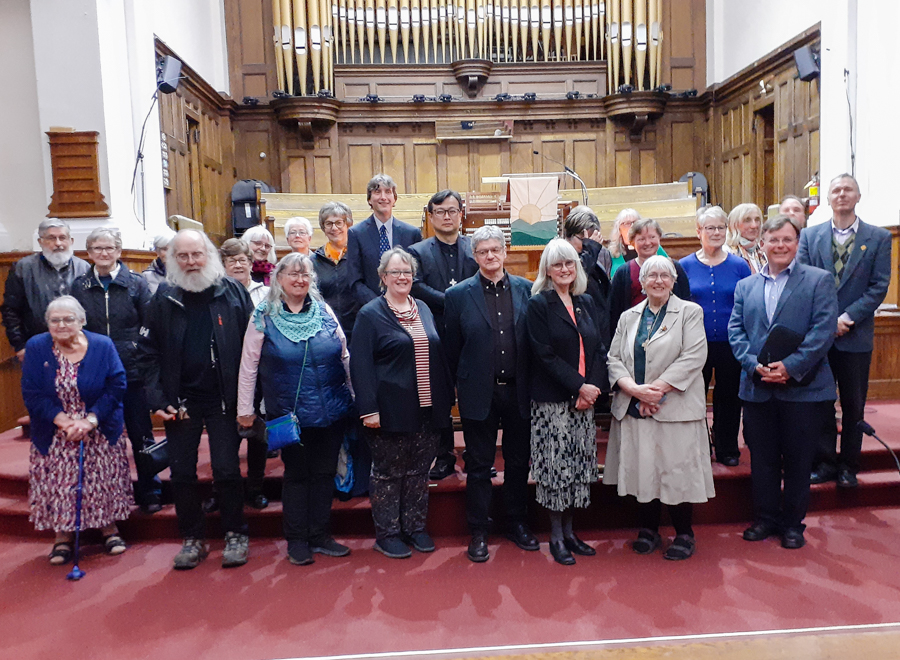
813, 188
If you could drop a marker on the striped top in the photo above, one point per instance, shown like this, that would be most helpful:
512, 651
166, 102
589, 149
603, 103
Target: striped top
411, 322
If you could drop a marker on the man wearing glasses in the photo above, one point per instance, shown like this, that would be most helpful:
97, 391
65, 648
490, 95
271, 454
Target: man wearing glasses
487, 349
444, 259
36, 280
374, 236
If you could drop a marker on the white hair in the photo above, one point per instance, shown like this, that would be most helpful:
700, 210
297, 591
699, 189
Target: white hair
68, 304
557, 251
210, 274
487, 233
657, 262
257, 233
297, 220
290, 261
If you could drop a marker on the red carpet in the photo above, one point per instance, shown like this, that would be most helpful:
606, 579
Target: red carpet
134, 606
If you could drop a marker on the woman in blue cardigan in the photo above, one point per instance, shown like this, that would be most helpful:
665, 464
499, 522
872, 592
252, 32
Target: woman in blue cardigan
73, 383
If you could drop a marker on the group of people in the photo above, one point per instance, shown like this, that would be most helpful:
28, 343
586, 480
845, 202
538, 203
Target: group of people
377, 333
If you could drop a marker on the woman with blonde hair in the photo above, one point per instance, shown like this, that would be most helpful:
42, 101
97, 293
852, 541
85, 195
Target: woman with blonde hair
744, 225
619, 243
262, 246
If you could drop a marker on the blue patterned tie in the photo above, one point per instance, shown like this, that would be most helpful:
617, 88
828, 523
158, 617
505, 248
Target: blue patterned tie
383, 244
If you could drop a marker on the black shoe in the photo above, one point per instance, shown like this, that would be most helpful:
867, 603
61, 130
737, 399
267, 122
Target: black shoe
793, 539
392, 547
257, 501
272, 453
577, 546
150, 508
299, 553
329, 547
759, 531
561, 554
478, 549
824, 472
444, 466
211, 505
646, 542
522, 537
421, 541
846, 479
729, 461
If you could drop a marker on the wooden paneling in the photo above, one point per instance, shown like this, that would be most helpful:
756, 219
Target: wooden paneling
251, 58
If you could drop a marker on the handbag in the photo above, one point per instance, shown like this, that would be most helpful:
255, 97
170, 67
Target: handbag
153, 458
285, 430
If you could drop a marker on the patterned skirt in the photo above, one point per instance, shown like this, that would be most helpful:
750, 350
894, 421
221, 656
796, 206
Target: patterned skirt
563, 454
107, 492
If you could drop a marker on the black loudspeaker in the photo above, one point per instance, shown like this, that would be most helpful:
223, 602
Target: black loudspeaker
807, 63
168, 74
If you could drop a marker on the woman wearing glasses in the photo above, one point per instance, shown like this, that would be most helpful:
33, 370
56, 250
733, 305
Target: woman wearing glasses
658, 450
262, 248
404, 393
115, 300
332, 267
298, 232
73, 383
713, 274
295, 346
568, 371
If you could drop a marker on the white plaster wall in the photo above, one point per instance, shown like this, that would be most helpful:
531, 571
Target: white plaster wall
195, 29
22, 186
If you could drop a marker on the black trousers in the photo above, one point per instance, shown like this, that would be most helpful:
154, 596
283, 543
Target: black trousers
781, 436
726, 403
851, 371
140, 432
398, 489
224, 441
445, 444
481, 449
681, 515
308, 484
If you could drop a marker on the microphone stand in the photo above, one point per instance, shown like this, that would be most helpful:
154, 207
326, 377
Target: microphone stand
569, 171
864, 427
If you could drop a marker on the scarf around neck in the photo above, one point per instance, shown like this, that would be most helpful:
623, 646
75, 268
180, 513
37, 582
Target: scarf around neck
295, 327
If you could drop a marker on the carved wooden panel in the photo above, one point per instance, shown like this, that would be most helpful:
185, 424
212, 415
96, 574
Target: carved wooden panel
74, 159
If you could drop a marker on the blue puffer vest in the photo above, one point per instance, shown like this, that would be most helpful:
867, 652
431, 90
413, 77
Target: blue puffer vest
324, 396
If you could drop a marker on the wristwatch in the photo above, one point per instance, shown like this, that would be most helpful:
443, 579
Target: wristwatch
92, 418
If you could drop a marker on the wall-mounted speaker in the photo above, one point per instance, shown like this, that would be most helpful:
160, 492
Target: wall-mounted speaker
168, 73
807, 63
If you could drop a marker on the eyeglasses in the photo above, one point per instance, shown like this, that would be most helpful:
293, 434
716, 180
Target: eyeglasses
333, 224
297, 275
62, 320
55, 239
103, 249
568, 265
185, 257
713, 229
662, 277
399, 273
237, 261
483, 252
445, 213
297, 232
262, 244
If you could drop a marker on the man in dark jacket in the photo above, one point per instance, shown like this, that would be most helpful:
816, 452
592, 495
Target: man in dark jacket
191, 382
114, 301
36, 280
444, 259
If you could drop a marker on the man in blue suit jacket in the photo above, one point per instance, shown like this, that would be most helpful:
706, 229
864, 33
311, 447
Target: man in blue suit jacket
374, 236
444, 259
859, 257
784, 399
487, 347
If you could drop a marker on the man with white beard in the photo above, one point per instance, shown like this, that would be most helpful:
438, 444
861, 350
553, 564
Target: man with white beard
36, 280
189, 354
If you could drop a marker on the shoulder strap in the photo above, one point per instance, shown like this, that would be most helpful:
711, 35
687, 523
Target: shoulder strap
300, 380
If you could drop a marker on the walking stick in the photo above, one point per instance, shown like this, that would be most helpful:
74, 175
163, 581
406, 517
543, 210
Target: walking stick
76, 573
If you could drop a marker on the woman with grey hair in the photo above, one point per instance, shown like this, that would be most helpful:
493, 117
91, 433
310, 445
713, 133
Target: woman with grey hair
298, 232
115, 300
332, 267
73, 383
295, 346
155, 273
568, 371
262, 246
658, 450
403, 393
744, 233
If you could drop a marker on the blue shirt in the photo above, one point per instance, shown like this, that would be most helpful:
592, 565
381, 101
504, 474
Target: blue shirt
774, 287
712, 287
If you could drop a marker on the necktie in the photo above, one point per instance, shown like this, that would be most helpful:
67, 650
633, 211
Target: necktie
383, 244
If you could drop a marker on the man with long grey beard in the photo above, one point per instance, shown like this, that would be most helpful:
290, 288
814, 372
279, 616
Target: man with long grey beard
36, 280
189, 354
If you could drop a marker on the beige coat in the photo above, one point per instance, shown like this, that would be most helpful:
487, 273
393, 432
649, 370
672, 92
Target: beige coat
666, 456
676, 354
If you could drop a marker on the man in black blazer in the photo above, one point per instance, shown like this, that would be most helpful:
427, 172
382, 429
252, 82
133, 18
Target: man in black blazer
859, 256
444, 260
374, 236
487, 347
